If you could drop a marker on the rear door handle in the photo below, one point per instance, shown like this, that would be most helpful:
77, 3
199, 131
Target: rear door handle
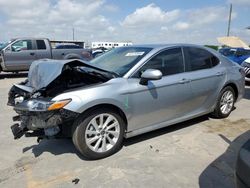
32, 53
184, 81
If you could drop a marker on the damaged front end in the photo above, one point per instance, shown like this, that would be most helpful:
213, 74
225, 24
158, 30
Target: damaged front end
41, 118
38, 114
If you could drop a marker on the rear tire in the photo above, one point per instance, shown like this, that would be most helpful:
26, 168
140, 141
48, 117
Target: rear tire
99, 134
225, 103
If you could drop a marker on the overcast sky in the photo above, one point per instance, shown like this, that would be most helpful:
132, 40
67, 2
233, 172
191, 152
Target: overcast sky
161, 21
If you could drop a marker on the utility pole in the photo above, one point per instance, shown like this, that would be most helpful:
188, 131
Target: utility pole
73, 32
229, 20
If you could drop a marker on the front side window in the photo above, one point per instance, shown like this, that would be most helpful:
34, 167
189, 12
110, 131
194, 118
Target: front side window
22, 45
169, 62
120, 60
198, 59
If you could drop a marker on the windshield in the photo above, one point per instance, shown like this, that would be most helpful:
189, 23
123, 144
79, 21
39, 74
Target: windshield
120, 60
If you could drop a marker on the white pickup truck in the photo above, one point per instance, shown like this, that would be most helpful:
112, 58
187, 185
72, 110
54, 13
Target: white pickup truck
18, 54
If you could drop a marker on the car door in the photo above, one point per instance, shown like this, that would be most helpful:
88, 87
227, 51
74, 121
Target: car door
42, 49
160, 100
206, 78
19, 55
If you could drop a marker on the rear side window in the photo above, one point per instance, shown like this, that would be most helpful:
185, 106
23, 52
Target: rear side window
214, 60
198, 59
41, 45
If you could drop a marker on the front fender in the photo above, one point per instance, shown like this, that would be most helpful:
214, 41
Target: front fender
81, 104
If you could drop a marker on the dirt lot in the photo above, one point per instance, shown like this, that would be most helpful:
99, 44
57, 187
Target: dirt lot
197, 153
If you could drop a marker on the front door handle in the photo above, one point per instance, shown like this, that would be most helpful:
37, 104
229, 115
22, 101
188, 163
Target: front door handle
32, 53
184, 81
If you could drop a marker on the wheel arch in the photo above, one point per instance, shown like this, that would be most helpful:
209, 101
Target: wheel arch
72, 56
234, 86
117, 109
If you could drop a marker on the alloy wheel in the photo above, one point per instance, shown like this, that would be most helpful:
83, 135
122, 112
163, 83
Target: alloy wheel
102, 132
226, 102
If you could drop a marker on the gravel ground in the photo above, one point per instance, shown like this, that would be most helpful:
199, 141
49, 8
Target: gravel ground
196, 153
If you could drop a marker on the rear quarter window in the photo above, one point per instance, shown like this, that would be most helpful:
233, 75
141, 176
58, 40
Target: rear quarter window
199, 59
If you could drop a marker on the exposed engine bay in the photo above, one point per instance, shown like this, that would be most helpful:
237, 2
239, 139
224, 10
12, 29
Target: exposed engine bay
31, 99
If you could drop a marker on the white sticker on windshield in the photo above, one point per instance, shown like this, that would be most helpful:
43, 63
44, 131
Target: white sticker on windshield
134, 54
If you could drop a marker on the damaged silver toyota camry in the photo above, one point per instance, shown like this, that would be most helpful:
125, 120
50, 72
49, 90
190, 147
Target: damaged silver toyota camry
123, 93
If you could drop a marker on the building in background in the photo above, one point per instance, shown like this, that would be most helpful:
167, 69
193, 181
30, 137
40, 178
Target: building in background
109, 45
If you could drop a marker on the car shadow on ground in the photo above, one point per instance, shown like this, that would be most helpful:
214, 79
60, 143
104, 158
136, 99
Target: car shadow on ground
54, 146
220, 173
62, 146
13, 75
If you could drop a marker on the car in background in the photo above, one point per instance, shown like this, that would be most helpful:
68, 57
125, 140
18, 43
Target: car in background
237, 55
125, 92
99, 51
18, 54
246, 65
68, 46
242, 172
3, 45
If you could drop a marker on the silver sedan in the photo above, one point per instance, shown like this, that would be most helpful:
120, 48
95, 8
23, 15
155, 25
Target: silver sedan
123, 93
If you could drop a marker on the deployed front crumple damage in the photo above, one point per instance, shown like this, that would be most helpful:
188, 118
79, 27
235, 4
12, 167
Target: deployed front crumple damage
38, 114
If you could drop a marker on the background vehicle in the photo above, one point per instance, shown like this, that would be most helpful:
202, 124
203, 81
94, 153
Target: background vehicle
242, 173
237, 55
18, 54
123, 93
99, 51
246, 65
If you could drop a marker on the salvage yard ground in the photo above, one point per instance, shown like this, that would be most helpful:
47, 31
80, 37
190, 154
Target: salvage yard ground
197, 153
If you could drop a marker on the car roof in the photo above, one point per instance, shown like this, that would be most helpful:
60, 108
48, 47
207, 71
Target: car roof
160, 46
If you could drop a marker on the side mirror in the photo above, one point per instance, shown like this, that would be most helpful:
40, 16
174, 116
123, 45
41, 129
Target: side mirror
150, 74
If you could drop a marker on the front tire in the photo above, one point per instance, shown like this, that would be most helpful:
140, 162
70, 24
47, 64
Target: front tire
99, 134
225, 103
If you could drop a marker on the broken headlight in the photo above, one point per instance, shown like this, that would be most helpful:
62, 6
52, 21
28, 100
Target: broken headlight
37, 105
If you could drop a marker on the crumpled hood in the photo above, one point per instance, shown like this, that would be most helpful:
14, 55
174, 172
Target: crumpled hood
43, 72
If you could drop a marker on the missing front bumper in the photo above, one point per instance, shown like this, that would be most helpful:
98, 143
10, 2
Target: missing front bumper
39, 124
